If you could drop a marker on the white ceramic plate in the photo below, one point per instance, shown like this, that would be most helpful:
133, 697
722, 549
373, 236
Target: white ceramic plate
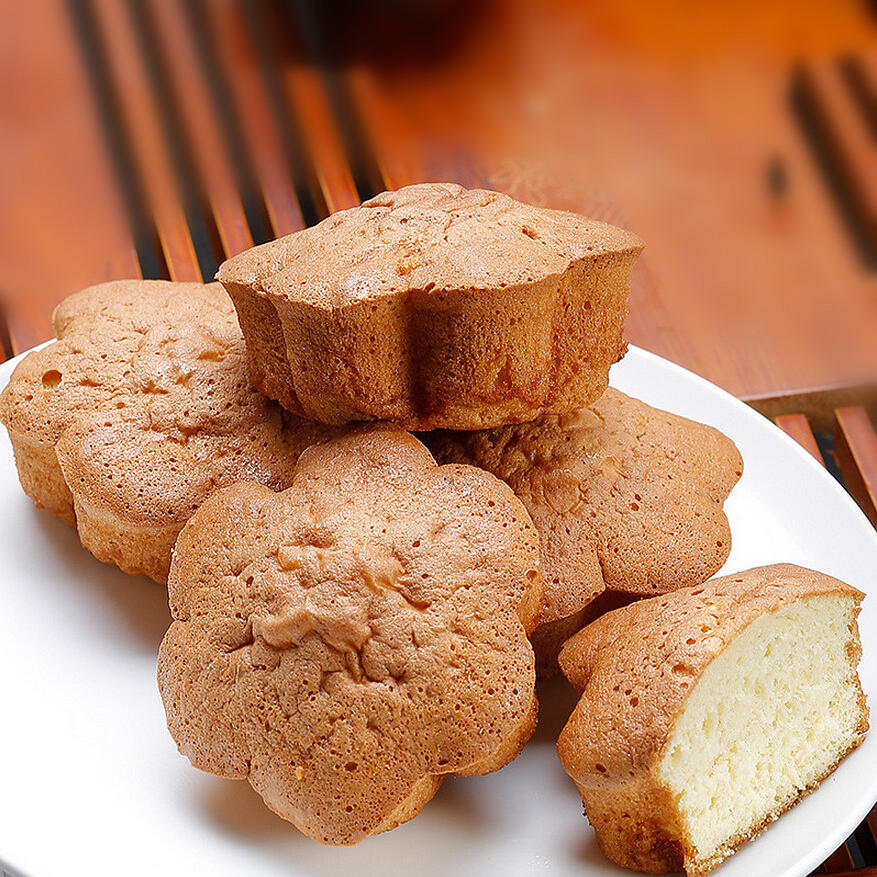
92, 783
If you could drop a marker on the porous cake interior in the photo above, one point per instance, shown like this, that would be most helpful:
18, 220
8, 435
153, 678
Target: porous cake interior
769, 717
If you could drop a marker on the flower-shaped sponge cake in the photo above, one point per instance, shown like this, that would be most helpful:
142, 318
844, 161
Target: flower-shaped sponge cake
627, 499
139, 410
347, 643
435, 306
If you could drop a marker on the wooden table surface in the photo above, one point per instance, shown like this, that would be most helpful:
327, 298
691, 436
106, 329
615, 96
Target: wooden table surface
155, 138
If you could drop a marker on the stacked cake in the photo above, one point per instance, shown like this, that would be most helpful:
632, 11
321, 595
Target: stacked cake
359, 611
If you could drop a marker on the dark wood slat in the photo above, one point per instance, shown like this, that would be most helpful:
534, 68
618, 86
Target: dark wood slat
798, 427
839, 862
141, 116
62, 218
322, 137
310, 106
202, 126
818, 406
859, 872
242, 70
864, 67
6, 349
855, 448
845, 131
870, 826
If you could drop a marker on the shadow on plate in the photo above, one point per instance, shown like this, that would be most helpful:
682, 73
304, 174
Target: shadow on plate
236, 808
140, 603
557, 700
588, 853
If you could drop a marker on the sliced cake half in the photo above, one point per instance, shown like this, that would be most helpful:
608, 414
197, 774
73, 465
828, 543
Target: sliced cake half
708, 712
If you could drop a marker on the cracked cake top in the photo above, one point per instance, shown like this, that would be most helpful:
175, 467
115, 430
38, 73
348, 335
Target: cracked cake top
625, 497
435, 236
346, 643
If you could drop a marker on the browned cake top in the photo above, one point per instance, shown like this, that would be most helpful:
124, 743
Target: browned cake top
432, 236
147, 397
624, 495
341, 641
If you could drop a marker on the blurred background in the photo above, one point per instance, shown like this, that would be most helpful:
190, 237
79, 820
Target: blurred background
158, 137
155, 138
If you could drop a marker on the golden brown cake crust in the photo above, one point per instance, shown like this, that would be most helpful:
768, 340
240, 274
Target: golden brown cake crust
348, 642
626, 497
635, 667
138, 411
435, 306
